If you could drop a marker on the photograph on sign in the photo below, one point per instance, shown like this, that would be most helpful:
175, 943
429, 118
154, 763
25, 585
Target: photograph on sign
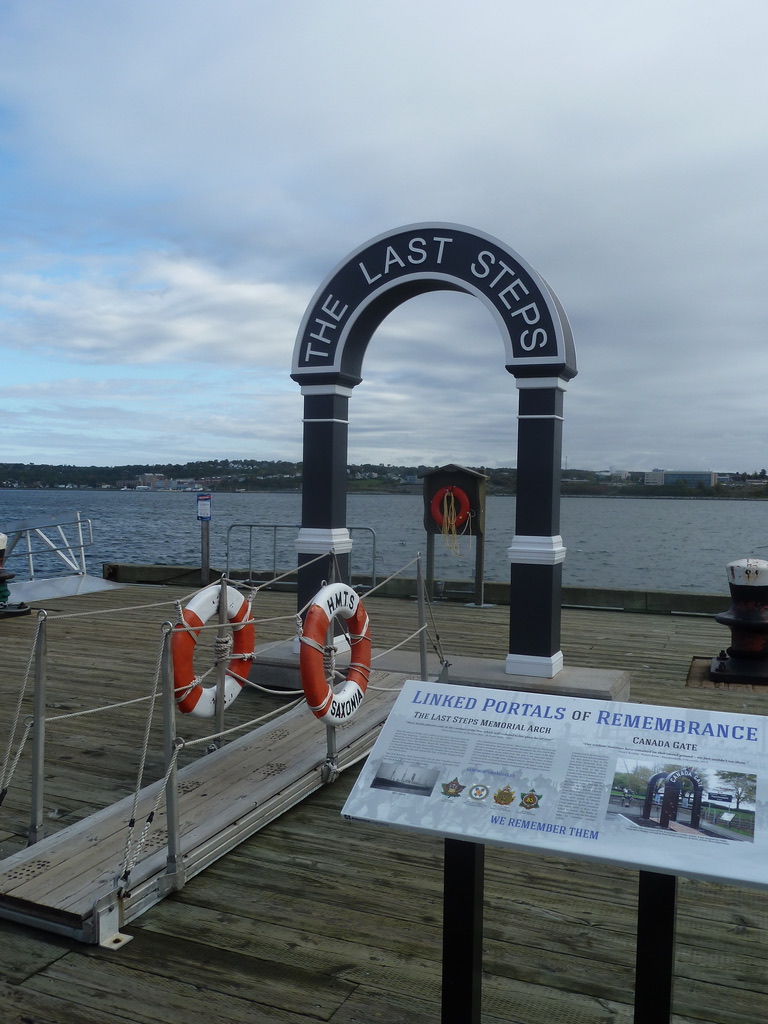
674, 798
405, 777
668, 789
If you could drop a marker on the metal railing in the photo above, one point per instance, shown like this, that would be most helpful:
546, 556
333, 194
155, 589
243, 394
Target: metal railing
107, 910
274, 527
33, 540
36, 723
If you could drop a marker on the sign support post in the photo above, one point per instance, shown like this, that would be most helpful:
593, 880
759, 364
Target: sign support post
655, 957
463, 887
204, 517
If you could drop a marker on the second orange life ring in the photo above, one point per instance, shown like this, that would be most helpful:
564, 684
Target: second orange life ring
335, 708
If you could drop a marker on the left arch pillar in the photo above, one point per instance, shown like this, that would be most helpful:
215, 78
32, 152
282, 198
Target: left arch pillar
324, 489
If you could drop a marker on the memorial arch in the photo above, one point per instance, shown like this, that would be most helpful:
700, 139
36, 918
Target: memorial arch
538, 351
670, 783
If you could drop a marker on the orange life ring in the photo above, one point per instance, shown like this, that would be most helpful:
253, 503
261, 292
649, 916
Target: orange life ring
193, 698
335, 708
436, 505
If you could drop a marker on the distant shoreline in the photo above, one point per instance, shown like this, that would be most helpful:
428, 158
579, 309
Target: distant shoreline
397, 491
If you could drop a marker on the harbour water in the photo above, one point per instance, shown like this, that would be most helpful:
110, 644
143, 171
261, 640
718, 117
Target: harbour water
670, 544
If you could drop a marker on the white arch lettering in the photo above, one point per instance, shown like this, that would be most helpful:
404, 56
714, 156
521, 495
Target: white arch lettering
390, 269
417, 256
539, 337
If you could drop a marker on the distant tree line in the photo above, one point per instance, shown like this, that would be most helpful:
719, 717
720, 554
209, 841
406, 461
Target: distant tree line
220, 474
264, 474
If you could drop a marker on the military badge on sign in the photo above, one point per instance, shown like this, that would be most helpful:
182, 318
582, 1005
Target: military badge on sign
504, 796
453, 788
530, 801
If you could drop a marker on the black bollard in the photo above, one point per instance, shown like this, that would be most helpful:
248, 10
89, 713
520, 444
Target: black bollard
746, 660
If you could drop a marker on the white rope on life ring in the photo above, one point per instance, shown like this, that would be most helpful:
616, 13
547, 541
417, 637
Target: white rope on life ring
336, 599
192, 698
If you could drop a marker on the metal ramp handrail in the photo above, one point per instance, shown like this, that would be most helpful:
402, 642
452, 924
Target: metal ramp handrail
108, 911
274, 527
70, 552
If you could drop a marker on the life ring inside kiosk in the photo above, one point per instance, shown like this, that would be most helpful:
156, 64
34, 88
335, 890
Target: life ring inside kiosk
335, 600
192, 698
443, 506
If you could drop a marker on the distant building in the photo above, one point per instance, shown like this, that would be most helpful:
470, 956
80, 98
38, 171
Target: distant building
654, 478
689, 477
612, 474
150, 482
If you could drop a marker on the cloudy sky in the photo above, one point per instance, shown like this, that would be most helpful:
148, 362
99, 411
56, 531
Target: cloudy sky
178, 176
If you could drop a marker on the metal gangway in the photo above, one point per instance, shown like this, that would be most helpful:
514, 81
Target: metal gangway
66, 539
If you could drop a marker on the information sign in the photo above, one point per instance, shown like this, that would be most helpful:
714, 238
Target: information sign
606, 781
204, 507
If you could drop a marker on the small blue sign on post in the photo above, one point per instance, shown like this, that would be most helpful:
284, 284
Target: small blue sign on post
204, 507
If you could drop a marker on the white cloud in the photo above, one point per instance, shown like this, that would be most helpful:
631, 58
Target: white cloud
177, 178
160, 308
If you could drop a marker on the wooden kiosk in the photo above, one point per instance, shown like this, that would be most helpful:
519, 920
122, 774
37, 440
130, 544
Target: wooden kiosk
454, 506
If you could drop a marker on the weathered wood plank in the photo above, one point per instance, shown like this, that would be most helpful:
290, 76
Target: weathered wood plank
118, 990
23, 1005
24, 951
313, 896
79, 865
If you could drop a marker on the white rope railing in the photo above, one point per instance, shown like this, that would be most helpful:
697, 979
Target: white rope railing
97, 612
392, 576
133, 851
222, 652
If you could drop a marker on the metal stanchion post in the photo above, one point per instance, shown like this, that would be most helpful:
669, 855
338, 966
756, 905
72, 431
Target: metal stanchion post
36, 831
221, 665
422, 619
174, 862
330, 770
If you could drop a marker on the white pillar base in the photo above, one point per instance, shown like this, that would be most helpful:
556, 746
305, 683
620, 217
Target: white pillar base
314, 541
530, 665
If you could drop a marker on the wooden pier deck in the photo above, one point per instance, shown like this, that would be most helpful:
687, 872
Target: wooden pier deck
317, 919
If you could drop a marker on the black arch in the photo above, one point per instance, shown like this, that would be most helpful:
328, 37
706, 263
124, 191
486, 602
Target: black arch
672, 795
327, 362
394, 267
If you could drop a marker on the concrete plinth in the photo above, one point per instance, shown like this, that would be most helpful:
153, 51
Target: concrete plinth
595, 683
277, 665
